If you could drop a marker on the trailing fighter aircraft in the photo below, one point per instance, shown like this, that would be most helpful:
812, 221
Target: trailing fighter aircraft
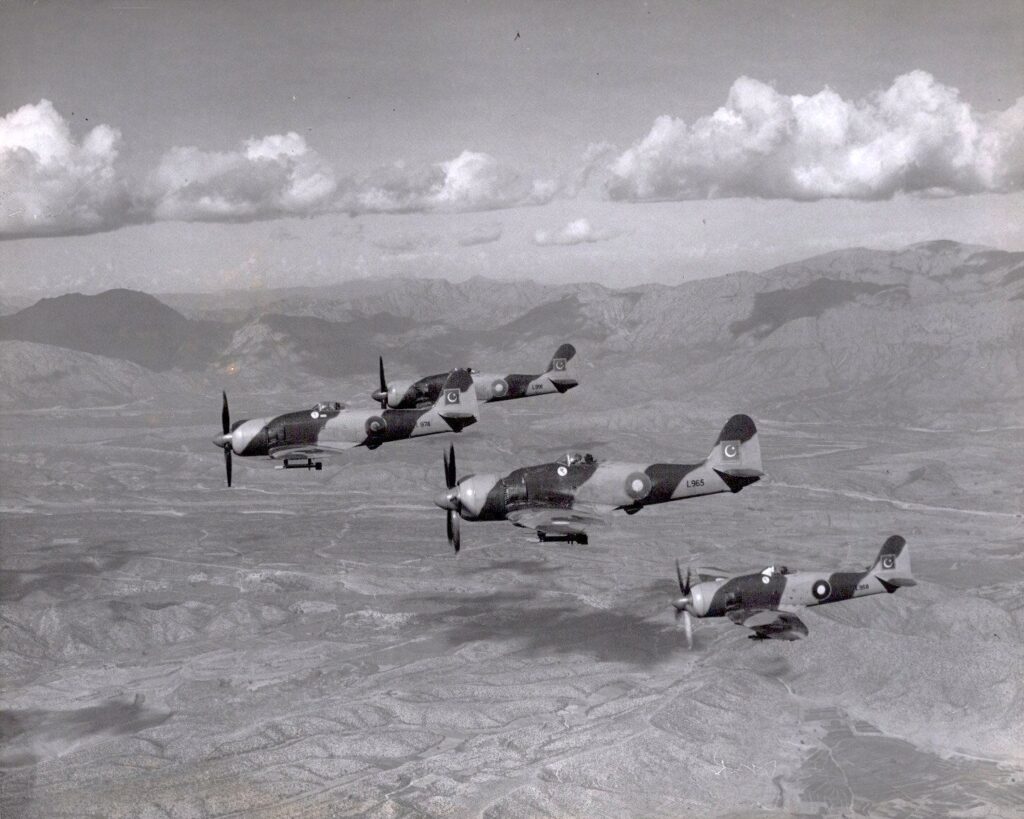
299, 439
561, 500
765, 601
489, 387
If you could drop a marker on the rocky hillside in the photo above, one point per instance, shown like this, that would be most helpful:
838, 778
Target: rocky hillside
38, 375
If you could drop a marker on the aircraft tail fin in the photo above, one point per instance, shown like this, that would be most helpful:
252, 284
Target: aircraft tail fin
457, 402
736, 455
558, 369
892, 566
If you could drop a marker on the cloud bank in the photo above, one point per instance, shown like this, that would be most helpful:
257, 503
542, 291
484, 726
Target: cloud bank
917, 136
273, 176
577, 232
51, 184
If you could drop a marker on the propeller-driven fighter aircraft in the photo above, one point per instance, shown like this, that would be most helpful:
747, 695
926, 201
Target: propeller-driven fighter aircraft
489, 387
765, 601
299, 439
561, 500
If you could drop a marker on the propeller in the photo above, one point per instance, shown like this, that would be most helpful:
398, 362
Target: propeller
682, 604
454, 535
452, 500
381, 394
225, 440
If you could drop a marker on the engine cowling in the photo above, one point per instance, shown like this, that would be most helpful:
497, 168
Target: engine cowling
473, 491
398, 393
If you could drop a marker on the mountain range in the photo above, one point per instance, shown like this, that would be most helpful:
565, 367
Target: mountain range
921, 332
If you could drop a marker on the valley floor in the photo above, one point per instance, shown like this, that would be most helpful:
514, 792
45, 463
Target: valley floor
305, 644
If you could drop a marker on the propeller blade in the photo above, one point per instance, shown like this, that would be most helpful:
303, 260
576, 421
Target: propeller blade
225, 416
688, 628
454, 536
683, 587
687, 580
383, 384
227, 463
449, 468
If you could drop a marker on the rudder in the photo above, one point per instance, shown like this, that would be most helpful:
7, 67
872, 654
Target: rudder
892, 566
560, 360
737, 451
457, 403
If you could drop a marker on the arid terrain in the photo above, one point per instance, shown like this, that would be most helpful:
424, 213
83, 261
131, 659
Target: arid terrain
306, 644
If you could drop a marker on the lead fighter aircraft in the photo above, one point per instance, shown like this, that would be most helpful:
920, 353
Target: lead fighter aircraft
765, 601
561, 500
299, 439
489, 387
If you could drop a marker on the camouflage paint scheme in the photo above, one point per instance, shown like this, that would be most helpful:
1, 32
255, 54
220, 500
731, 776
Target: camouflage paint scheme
561, 500
764, 601
330, 428
489, 387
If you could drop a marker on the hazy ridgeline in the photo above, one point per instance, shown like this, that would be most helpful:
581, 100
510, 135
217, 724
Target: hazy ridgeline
932, 331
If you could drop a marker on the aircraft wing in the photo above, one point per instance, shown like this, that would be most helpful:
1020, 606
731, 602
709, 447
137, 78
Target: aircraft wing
310, 451
770, 623
557, 520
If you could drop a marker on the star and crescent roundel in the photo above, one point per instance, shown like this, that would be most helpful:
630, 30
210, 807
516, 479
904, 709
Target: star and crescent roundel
451, 397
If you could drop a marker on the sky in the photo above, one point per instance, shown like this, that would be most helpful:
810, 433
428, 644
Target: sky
201, 146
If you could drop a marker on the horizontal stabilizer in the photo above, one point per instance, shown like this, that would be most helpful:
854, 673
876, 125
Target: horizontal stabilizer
890, 584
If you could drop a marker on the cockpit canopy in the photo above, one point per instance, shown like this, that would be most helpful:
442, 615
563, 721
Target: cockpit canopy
776, 570
329, 406
574, 458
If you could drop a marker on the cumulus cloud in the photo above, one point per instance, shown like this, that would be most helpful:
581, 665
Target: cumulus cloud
403, 243
594, 160
471, 181
481, 235
917, 136
277, 175
52, 184
577, 232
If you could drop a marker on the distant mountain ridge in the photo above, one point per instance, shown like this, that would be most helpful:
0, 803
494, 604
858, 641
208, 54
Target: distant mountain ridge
124, 324
923, 328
